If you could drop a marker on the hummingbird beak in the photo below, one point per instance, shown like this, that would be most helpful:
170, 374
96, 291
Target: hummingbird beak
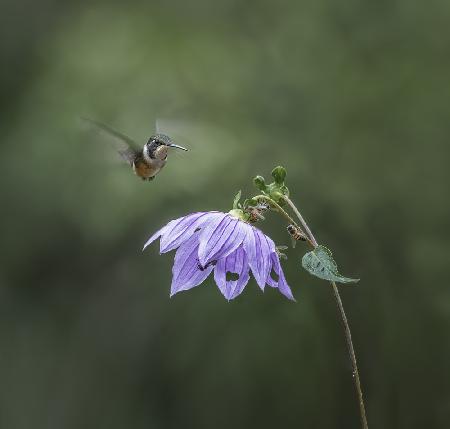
176, 146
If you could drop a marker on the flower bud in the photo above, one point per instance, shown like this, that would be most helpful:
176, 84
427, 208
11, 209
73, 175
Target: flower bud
279, 174
260, 183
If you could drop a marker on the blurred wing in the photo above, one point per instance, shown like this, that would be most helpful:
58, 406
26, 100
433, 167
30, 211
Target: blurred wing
125, 146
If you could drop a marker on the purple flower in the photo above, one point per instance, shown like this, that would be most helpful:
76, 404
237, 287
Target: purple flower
220, 242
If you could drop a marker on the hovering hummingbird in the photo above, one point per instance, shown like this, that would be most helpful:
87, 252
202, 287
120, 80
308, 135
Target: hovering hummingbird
146, 161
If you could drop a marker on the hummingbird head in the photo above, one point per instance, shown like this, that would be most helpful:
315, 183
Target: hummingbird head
158, 146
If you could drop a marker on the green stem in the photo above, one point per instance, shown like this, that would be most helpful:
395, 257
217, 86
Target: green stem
284, 214
348, 335
278, 207
302, 221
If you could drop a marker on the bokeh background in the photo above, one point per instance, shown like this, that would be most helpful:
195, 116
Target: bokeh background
353, 98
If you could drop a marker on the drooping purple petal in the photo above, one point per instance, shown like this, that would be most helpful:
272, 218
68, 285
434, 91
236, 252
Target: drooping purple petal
176, 227
236, 263
213, 231
259, 249
281, 283
183, 230
186, 271
219, 242
160, 232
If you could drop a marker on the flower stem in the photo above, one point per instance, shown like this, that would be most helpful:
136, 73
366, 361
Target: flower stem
348, 335
287, 217
302, 221
278, 207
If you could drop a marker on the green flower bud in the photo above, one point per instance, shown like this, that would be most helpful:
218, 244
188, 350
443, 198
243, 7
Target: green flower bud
277, 189
279, 174
277, 196
260, 183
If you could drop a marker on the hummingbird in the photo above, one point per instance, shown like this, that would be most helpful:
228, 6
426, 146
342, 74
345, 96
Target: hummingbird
146, 161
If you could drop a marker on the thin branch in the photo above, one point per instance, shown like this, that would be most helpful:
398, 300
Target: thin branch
278, 207
348, 335
283, 213
302, 221
352, 356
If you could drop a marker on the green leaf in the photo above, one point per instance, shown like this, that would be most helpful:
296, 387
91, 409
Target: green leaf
320, 263
236, 200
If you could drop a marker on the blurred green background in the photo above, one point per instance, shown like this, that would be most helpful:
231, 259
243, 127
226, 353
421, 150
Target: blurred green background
353, 98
